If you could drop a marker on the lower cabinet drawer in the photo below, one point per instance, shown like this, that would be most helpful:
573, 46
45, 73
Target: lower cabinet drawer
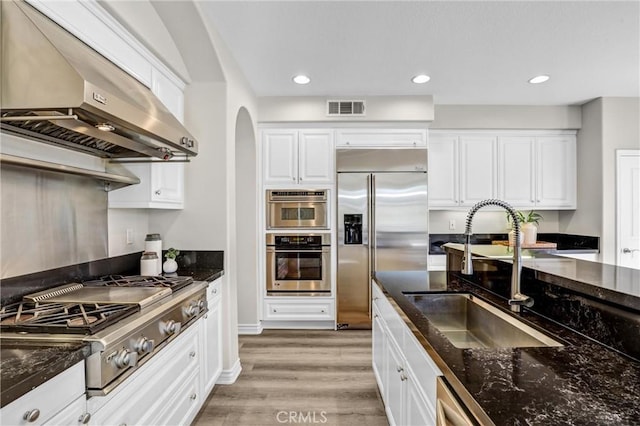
426, 371
48, 399
184, 407
149, 390
296, 310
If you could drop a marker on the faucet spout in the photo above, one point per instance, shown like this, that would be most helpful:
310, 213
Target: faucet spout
517, 299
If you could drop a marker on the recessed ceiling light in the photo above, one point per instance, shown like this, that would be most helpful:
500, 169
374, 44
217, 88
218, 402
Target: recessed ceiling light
421, 78
301, 79
105, 127
539, 79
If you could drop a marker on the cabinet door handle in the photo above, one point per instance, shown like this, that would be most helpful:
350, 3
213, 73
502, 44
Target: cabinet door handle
31, 415
322, 310
293, 179
399, 369
193, 396
84, 418
375, 315
403, 377
214, 291
158, 191
192, 354
274, 311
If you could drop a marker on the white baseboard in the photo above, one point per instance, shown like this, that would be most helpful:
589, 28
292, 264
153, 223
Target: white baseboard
229, 377
250, 328
299, 325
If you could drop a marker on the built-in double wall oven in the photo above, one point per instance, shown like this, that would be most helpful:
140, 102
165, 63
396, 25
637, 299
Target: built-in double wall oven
298, 264
297, 209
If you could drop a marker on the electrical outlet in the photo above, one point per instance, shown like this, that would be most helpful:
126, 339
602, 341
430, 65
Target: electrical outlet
452, 224
129, 236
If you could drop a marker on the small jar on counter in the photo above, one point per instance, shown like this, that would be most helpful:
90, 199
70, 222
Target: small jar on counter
149, 263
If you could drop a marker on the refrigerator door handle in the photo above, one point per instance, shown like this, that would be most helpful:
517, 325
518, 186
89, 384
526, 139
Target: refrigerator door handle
371, 188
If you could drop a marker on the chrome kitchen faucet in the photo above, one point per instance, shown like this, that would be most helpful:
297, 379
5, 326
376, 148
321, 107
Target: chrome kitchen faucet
517, 299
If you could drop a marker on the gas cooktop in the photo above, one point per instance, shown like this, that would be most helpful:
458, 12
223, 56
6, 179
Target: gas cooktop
76, 318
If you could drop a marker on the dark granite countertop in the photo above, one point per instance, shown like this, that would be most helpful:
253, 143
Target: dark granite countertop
26, 365
565, 243
200, 274
606, 282
580, 383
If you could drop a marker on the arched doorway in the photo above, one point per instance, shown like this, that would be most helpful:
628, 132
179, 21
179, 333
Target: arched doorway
246, 224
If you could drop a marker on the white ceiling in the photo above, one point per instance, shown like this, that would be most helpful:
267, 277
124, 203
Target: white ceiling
476, 52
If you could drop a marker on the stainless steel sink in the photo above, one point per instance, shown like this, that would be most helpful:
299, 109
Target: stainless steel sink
468, 322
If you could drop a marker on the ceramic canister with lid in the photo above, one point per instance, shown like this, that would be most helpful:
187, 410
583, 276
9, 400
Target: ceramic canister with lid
148, 263
153, 242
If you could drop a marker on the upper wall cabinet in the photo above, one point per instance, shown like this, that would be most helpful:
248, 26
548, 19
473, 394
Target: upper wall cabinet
462, 170
298, 157
381, 138
526, 169
161, 187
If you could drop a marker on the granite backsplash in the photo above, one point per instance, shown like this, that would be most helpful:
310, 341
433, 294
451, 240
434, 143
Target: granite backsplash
615, 326
14, 288
563, 241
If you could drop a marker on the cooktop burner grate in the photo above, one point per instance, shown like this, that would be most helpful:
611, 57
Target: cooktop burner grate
76, 318
174, 283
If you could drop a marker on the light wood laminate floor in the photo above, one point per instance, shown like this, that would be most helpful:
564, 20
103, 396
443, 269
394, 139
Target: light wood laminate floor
299, 377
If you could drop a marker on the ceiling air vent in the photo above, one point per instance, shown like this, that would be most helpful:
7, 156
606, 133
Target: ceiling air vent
345, 108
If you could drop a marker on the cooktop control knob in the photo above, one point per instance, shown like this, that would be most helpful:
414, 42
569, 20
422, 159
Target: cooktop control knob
201, 305
171, 327
125, 358
192, 310
144, 345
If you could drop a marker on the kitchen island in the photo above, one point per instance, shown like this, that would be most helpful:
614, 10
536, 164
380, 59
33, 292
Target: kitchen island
584, 381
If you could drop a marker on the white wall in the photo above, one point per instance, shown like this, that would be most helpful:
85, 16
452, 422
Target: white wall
620, 130
494, 222
119, 220
506, 117
587, 218
141, 19
314, 108
610, 124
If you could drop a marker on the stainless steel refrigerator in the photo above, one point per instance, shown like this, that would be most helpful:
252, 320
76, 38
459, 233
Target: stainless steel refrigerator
382, 223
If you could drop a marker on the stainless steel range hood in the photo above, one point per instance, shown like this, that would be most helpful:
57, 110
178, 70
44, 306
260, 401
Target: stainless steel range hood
58, 90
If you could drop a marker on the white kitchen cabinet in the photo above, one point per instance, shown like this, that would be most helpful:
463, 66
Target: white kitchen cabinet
516, 170
298, 157
299, 309
378, 336
537, 171
443, 171
477, 156
527, 169
381, 138
556, 172
51, 399
166, 385
73, 414
161, 187
462, 170
407, 375
212, 337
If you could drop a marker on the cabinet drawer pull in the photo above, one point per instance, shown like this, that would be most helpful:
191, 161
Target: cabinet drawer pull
322, 310
193, 396
375, 315
192, 354
274, 311
399, 369
214, 291
403, 377
31, 415
158, 192
84, 418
